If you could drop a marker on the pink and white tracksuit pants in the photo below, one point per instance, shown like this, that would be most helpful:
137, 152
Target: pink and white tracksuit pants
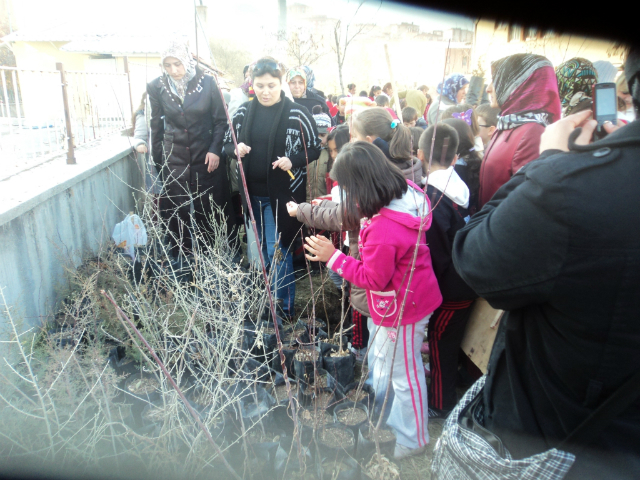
409, 412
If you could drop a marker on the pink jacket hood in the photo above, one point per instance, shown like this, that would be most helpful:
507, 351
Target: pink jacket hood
410, 209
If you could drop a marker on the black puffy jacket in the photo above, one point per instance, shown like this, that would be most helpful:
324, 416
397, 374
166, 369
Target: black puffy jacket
183, 134
311, 100
558, 248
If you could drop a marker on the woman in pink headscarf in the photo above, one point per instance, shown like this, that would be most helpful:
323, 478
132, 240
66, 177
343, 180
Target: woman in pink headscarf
525, 88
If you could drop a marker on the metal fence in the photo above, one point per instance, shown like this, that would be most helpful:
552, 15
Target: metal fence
45, 113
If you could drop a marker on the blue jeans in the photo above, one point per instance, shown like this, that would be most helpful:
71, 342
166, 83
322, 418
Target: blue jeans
284, 279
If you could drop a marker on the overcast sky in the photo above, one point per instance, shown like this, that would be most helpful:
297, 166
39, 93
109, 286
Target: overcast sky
263, 13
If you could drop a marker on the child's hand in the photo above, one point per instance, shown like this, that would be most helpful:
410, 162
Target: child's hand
321, 248
316, 201
292, 208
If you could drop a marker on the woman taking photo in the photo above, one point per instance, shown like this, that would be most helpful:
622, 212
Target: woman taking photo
187, 130
276, 138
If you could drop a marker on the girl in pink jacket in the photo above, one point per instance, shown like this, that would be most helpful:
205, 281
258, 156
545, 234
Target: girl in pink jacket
395, 218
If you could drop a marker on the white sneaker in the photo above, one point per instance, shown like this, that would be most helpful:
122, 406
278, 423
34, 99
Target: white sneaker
401, 451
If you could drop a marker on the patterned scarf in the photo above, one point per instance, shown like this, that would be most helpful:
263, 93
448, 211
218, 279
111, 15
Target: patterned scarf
451, 85
178, 48
574, 76
311, 78
526, 88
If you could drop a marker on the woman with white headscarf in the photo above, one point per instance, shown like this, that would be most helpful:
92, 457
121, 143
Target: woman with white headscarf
188, 124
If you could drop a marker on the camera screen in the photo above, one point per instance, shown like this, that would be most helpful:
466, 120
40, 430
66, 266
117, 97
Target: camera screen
606, 101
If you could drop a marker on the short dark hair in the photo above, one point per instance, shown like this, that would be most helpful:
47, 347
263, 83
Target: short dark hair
267, 65
416, 133
409, 114
363, 93
423, 87
489, 113
369, 180
382, 100
351, 85
316, 110
334, 99
441, 132
340, 135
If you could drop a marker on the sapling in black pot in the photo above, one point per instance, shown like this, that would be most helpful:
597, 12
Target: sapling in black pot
339, 363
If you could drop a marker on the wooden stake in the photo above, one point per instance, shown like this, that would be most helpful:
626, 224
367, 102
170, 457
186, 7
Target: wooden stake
393, 82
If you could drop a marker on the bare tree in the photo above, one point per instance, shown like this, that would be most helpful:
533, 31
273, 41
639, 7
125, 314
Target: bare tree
303, 48
230, 60
343, 35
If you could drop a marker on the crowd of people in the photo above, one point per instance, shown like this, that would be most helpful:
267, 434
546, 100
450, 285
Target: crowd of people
493, 190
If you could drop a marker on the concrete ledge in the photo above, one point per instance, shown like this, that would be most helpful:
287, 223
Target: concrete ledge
54, 216
22, 192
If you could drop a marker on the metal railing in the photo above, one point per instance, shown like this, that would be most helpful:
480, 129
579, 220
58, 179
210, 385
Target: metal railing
45, 113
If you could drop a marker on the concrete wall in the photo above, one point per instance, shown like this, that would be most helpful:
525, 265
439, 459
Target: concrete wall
53, 215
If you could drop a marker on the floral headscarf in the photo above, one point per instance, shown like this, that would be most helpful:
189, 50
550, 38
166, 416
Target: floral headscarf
575, 75
297, 72
449, 88
179, 48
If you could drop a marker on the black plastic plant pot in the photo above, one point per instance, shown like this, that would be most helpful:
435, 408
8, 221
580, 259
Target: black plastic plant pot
366, 394
288, 467
320, 324
335, 442
256, 404
141, 389
201, 399
351, 415
153, 413
366, 443
64, 337
303, 363
276, 361
340, 365
345, 469
311, 420
324, 399
261, 459
304, 339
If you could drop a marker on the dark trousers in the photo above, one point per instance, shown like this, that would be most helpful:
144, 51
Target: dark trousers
360, 331
445, 332
175, 210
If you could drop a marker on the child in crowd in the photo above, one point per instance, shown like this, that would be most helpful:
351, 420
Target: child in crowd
326, 214
394, 213
450, 197
317, 170
487, 122
383, 101
409, 116
339, 117
416, 132
468, 163
375, 125
466, 112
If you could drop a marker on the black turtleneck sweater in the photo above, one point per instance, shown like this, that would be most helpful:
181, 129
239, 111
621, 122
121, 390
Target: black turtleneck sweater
259, 164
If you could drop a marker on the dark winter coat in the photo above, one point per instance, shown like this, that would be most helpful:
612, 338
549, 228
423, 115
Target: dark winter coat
183, 134
295, 136
312, 99
448, 218
558, 248
506, 153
